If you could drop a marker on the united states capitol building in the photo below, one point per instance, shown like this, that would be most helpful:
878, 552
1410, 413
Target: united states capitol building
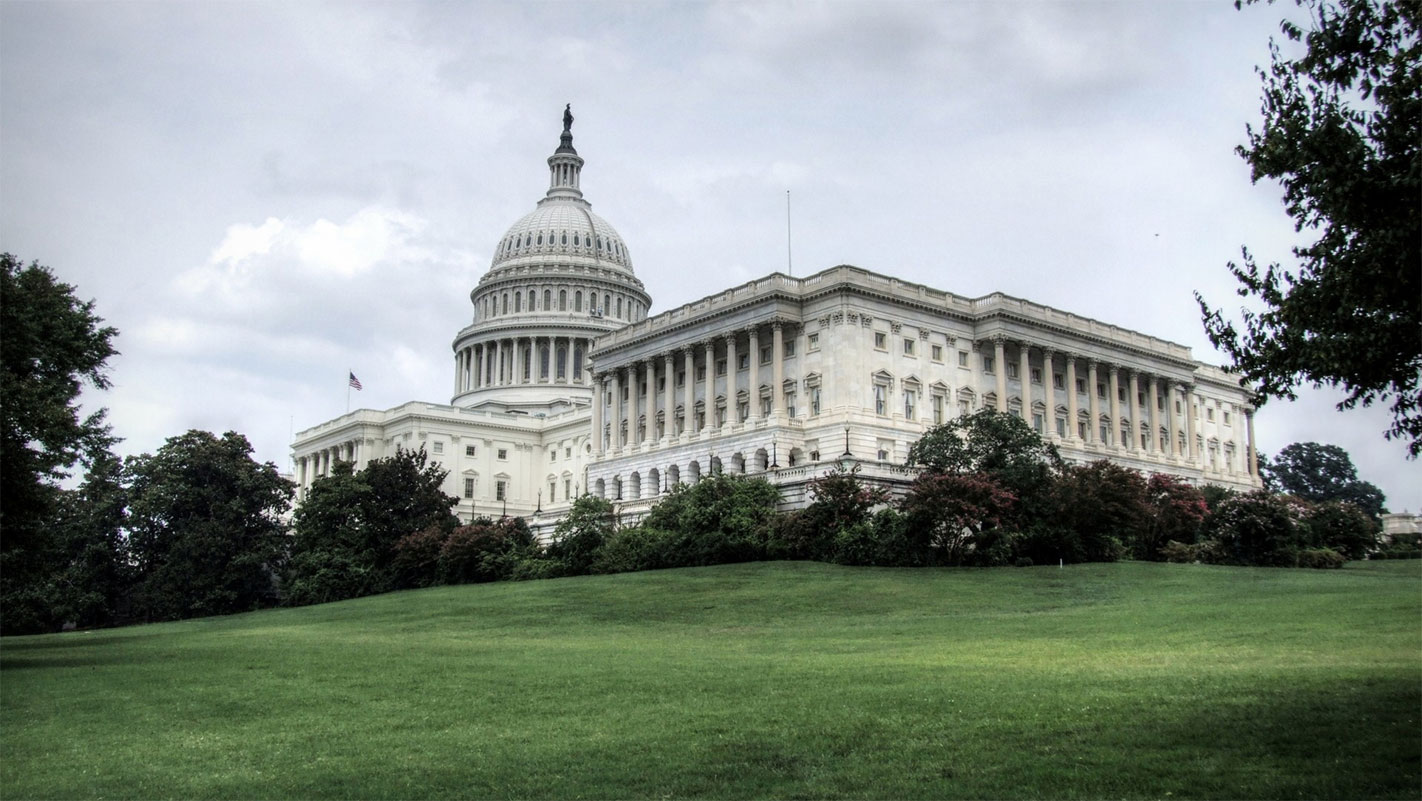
563, 383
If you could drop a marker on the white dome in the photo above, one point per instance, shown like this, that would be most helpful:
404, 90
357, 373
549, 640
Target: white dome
566, 229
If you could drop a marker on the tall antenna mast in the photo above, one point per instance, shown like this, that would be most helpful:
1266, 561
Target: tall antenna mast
789, 255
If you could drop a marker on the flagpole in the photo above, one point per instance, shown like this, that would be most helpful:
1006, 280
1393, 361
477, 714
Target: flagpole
349, 372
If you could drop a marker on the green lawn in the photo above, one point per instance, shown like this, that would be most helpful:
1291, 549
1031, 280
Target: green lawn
793, 680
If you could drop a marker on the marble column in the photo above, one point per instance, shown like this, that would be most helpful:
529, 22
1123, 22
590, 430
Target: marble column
668, 419
599, 399
1049, 394
754, 388
1093, 425
688, 411
1133, 443
1115, 390
1253, 455
1171, 397
999, 366
1072, 411
1024, 374
777, 361
1154, 399
616, 408
649, 427
1192, 450
732, 412
709, 391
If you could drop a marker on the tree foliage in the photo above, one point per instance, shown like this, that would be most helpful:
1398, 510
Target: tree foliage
1102, 506
51, 345
205, 527
954, 516
1176, 509
1342, 134
346, 530
994, 444
1319, 473
719, 519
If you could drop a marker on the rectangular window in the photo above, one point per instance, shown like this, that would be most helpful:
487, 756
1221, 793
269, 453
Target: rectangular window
469, 488
1036, 375
908, 347
552, 454
469, 450
1140, 399
789, 348
880, 403
681, 378
1058, 381
881, 340
720, 367
1210, 414
1226, 418
910, 398
938, 409
552, 491
501, 490
1037, 423
661, 383
1121, 394
963, 408
1061, 427
1011, 370
567, 488
701, 373
813, 342
765, 355
988, 366
743, 410
1100, 390
790, 403
765, 407
568, 452
814, 401
962, 358
937, 353
883, 455
743, 361
503, 454
1081, 386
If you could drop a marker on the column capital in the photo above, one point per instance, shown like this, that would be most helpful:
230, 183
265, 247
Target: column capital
1114, 369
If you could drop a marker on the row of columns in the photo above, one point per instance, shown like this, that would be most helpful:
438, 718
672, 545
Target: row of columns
641, 378
1173, 391
318, 463
514, 361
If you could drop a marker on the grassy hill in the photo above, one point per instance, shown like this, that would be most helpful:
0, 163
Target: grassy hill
764, 680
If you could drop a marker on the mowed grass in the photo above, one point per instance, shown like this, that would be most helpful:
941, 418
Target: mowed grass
785, 680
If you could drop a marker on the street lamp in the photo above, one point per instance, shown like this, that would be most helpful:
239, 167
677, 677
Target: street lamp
774, 459
846, 458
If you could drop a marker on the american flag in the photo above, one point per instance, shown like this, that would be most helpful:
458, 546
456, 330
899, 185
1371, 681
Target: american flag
355, 382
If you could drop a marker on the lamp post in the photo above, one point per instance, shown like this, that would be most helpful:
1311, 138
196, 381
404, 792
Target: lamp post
774, 459
846, 458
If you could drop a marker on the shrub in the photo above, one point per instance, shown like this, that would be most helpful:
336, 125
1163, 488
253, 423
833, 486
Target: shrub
1255, 529
578, 536
841, 501
948, 515
719, 519
479, 552
631, 549
1342, 527
1175, 510
1322, 558
416, 561
1022, 561
1099, 506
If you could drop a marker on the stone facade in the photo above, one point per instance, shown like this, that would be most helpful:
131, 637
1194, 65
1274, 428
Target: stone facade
564, 385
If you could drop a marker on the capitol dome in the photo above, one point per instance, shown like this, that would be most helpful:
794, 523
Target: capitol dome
559, 277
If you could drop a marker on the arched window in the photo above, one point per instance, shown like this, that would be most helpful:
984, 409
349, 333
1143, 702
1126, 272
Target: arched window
576, 241
578, 301
606, 304
543, 362
619, 307
562, 300
562, 362
518, 301
547, 299
506, 303
540, 237
599, 243
577, 361
565, 237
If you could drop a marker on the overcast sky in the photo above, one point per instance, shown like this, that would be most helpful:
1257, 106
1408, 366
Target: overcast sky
261, 196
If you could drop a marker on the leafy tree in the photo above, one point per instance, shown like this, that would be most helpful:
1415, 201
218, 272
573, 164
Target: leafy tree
51, 344
579, 535
92, 587
1342, 527
840, 501
991, 443
1101, 506
1342, 133
1255, 528
205, 527
953, 516
1318, 473
346, 529
480, 551
719, 519
1175, 510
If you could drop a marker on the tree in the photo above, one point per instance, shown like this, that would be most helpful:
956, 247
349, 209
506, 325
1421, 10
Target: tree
1176, 510
1001, 446
954, 516
205, 527
51, 344
1100, 507
1342, 133
1255, 528
1320, 473
347, 528
718, 520
94, 580
579, 535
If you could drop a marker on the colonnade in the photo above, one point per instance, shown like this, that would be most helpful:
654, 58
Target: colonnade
522, 360
650, 411
318, 463
1159, 417
554, 298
